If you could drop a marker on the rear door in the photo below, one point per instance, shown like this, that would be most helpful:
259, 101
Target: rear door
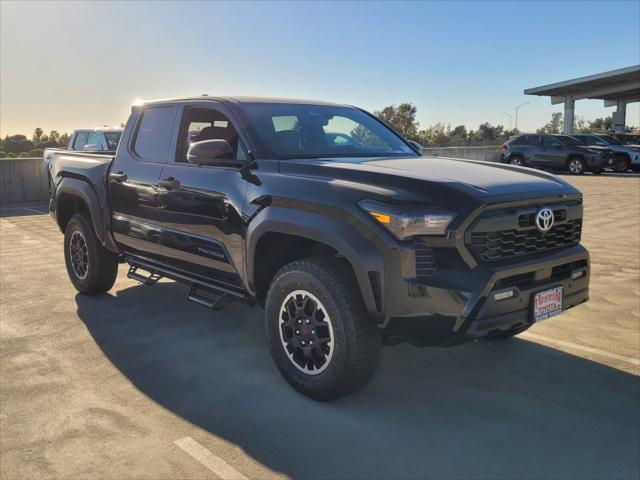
534, 151
203, 228
133, 180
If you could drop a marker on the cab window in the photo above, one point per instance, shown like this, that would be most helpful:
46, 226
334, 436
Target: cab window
155, 129
199, 124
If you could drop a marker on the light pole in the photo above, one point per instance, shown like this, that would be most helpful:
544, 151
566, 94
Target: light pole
510, 118
523, 103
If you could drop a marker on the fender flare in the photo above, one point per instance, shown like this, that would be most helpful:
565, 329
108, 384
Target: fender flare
345, 238
82, 189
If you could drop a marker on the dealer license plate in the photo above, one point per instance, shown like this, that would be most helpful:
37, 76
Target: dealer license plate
547, 304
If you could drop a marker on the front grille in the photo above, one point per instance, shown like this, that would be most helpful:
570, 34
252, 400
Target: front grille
425, 260
504, 244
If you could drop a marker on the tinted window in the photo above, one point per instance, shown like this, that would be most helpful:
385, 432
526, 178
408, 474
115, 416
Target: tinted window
533, 139
567, 140
154, 133
521, 140
550, 142
200, 124
80, 140
112, 138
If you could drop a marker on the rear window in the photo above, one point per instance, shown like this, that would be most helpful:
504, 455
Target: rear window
112, 138
521, 140
153, 139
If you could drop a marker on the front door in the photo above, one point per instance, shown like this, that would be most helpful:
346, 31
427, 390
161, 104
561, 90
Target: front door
133, 181
552, 154
201, 206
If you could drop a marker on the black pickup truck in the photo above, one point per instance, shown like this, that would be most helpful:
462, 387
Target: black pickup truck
328, 219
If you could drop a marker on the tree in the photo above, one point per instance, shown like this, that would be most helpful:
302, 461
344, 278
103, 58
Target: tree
600, 124
402, 118
459, 136
17, 144
54, 135
37, 136
554, 126
488, 134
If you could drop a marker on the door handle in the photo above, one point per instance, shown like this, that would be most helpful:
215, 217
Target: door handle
118, 177
169, 183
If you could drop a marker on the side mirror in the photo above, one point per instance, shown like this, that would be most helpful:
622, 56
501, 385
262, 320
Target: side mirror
208, 152
416, 146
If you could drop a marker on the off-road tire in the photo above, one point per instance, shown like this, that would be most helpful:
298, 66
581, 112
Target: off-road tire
357, 341
101, 264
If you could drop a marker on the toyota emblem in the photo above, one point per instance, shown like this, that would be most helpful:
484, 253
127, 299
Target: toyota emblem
544, 219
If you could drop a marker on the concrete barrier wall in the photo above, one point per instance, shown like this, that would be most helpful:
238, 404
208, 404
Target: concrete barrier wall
22, 180
489, 154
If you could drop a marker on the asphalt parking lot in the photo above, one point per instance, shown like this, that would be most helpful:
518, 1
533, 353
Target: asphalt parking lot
139, 383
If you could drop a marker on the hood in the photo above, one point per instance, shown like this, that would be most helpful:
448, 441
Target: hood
474, 178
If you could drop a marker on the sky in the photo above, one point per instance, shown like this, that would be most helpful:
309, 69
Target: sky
66, 65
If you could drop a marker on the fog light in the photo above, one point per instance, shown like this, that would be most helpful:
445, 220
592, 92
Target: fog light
504, 294
577, 274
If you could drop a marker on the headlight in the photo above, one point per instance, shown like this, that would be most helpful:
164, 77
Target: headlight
407, 222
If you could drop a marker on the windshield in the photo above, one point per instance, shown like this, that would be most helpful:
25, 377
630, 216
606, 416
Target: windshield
112, 138
320, 131
567, 140
630, 139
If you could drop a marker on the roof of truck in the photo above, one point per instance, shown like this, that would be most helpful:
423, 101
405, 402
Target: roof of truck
241, 99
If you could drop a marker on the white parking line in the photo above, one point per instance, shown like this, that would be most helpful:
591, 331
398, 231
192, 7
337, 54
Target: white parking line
209, 460
575, 346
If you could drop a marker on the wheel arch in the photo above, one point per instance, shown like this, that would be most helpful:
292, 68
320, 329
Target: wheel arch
76, 196
280, 235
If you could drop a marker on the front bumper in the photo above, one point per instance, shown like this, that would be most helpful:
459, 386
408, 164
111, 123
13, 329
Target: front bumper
455, 305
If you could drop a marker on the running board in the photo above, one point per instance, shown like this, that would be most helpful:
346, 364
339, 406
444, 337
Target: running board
216, 301
216, 298
150, 279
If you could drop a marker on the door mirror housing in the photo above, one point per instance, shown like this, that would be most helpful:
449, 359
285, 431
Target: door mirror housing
210, 152
416, 146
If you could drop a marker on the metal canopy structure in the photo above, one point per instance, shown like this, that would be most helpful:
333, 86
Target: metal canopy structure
616, 87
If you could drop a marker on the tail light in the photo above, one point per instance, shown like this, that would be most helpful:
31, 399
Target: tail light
503, 146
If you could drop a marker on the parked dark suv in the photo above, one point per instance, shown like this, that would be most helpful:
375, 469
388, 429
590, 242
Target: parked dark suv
555, 152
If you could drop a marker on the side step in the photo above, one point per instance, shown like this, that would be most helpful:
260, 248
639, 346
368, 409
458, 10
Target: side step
204, 293
215, 300
150, 279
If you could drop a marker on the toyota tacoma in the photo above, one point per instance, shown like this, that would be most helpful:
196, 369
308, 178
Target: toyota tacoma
328, 219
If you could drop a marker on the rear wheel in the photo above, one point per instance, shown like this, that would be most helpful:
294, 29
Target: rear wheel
91, 268
320, 336
576, 166
517, 161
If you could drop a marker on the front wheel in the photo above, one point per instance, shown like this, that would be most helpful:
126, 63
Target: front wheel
621, 164
517, 161
320, 336
91, 268
576, 166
